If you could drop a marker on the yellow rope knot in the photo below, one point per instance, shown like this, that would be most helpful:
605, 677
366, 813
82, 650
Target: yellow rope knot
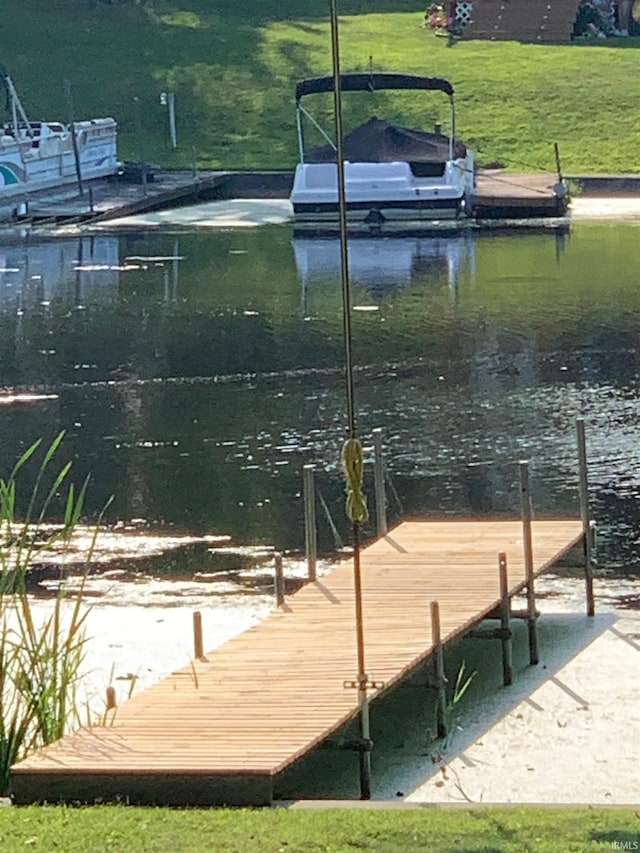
352, 464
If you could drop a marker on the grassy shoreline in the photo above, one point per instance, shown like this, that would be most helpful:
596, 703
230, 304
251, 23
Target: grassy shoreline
508, 830
233, 72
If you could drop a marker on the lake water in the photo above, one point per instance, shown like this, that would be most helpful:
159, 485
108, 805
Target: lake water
195, 373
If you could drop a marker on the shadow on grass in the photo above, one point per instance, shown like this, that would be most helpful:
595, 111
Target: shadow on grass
477, 849
617, 839
625, 42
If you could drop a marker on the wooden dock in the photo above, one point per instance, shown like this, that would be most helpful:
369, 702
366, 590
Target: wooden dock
107, 198
220, 731
506, 195
104, 199
498, 196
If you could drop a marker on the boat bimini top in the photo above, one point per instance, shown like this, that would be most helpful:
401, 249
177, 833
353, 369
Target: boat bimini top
368, 82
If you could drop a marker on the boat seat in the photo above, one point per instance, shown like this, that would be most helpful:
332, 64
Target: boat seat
396, 170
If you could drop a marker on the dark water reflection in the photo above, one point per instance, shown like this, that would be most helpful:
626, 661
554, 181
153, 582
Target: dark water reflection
196, 373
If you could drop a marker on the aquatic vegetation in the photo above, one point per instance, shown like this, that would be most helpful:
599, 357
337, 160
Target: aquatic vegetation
40, 658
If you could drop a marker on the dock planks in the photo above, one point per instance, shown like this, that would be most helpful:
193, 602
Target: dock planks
498, 195
220, 730
503, 195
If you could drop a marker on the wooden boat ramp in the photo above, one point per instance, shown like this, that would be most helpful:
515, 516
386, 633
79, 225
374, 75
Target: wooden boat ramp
224, 729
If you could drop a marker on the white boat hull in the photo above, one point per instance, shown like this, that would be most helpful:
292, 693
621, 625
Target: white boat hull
384, 195
48, 159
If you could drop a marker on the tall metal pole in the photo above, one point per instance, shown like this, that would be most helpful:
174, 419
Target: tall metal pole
527, 514
310, 529
362, 678
342, 214
381, 501
587, 531
74, 137
171, 103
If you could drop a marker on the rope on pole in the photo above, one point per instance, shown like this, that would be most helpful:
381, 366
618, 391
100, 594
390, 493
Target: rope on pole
352, 465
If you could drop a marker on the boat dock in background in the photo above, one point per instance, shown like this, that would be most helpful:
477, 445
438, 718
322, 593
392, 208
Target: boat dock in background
499, 197
507, 195
141, 191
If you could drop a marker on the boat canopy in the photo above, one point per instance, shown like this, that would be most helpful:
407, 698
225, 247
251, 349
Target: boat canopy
371, 82
377, 141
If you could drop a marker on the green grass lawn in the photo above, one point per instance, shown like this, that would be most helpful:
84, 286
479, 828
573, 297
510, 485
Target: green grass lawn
233, 67
498, 830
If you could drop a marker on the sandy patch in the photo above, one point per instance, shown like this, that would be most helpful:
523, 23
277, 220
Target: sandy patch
237, 213
566, 731
583, 207
574, 738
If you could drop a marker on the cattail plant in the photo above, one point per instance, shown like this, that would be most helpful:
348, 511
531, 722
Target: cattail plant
40, 657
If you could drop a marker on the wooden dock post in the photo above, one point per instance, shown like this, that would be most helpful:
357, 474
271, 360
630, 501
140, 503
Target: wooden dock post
525, 496
111, 698
279, 580
438, 670
381, 498
310, 527
198, 647
588, 529
505, 628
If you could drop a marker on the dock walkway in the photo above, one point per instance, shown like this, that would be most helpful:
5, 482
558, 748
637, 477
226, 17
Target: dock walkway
498, 195
502, 195
106, 198
221, 730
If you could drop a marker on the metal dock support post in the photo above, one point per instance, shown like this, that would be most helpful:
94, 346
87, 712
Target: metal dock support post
310, 527
525, 496
381, 498
587, 528
505, 628
364, 763
504, 614
279, 580
198, 646
438, 668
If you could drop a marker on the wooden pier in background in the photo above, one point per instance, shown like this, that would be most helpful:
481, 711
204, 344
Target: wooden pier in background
104, 199
221, 730
508, 195
498, 195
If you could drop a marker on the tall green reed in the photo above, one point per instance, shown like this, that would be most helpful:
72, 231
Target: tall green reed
40, 656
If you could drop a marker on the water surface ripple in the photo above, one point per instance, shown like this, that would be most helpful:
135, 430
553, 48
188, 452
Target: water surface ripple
195, 374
